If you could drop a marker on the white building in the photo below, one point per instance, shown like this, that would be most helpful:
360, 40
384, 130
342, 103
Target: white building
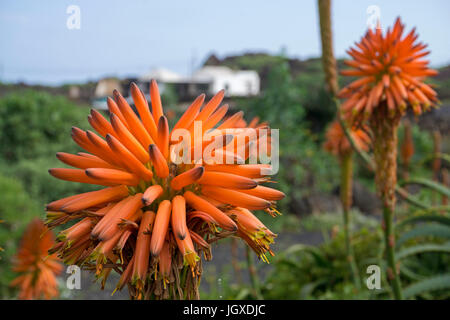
236, 83
209, 80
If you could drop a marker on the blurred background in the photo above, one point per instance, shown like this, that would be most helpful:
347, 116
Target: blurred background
59, 59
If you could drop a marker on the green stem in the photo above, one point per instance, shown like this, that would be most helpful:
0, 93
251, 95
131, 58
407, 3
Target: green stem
389, 239
346, 199
253, 275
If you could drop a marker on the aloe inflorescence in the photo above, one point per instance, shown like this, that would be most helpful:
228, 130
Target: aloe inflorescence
157, 214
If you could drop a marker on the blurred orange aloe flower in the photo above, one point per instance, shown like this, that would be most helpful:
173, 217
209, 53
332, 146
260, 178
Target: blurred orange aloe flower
156, 215
390, 71
38, 269
337, 143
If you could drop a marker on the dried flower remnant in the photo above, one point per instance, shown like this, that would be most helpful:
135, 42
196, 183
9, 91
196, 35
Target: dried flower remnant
156, 216
37, 269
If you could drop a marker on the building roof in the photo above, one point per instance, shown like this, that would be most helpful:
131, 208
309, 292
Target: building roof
208, 72
162, 75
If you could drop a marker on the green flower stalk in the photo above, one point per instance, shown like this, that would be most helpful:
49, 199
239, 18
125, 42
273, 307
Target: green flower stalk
338, 144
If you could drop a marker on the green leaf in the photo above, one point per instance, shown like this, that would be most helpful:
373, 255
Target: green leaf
442, 189
436, 209
410, 274
439, 282
431, 229
243, 294
308, 288
423, 248
442, 156
425, 218
315, 252
409, 198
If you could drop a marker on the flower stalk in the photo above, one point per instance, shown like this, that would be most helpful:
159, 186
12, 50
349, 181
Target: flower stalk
253, 275
346, 199
385, 155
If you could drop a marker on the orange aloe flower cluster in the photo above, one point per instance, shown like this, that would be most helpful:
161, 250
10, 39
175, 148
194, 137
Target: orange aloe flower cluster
38, 269
337, 143
390, 72
155, 215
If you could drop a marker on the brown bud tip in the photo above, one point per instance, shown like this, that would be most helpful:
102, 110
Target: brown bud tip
116, 94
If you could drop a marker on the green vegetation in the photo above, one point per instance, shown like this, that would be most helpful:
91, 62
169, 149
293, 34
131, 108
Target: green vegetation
33, 127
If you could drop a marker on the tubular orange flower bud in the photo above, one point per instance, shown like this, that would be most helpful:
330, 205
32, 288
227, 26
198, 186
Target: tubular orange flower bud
128, 139
187, 178
81, 162
101, 123
179, 226
211, 106
126, 211
142, 252
77, 175
158, 161
79, 229
144, 111
231, 121
114, 109
226, 180
56, 205
97, 127
112, 176
103, 148
135, 125
151, 193
215, 118
202, 205
160, 227
165, 262
236, 198
163, 136
253, 171
94, 198
155, 98
265, 193
191, 113
132, 163
201, 215
107, 220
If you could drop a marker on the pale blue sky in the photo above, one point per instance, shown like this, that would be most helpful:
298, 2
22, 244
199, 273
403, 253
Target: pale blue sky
131, 37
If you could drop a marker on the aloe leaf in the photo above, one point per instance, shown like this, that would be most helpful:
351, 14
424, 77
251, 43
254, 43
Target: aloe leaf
442, 189
315, 252
425, 218
439, 282
423, 248
431, 229
409, 198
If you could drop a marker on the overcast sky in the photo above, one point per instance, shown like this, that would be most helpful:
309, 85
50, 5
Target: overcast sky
120, 38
